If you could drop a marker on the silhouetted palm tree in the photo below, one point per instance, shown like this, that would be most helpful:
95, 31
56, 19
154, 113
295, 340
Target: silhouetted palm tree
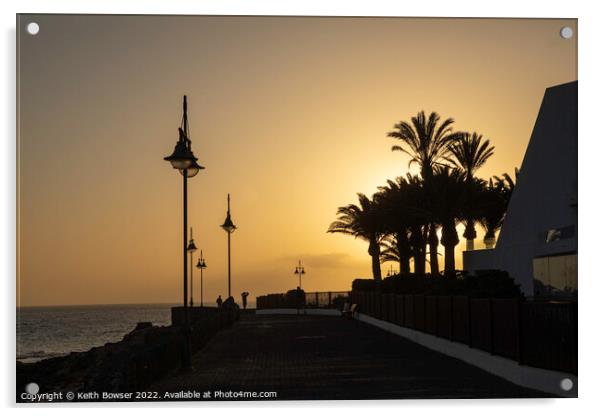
364, 221
494, 200
401, 210
405, 215
428, 143
469, 153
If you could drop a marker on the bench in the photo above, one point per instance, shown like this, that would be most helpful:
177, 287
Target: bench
349, 311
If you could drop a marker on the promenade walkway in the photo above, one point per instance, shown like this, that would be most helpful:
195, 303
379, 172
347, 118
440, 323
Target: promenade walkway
315, 357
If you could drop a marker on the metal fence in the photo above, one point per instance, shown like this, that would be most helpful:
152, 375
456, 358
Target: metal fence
539, 334
326, 300
331, 300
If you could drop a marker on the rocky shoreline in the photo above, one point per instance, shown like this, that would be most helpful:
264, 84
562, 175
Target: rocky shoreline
143, 356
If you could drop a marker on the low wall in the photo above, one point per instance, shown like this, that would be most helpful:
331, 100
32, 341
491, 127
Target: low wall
535, 378
294, 299
483, 259
291, 311
198, 315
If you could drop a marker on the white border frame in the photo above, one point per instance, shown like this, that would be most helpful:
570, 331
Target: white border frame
590, 70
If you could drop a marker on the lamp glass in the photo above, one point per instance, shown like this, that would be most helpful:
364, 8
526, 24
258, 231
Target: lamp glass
189, 172
182, 157
180, 163
228, 225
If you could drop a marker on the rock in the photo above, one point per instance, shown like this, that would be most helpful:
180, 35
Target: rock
143, 325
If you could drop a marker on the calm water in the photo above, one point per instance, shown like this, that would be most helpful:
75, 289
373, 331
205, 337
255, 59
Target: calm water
44, 332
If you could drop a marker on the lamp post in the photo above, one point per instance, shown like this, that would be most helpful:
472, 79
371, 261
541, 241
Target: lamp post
201, 265
191, 249
184, 161
391, 272
300, 270
229, 227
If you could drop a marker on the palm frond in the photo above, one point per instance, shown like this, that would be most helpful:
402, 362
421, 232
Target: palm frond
425, 139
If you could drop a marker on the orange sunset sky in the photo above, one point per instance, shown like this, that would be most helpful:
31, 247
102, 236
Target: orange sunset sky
288, 114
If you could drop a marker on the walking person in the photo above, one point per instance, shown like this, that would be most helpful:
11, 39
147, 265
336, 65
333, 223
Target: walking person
244, 299
219, 301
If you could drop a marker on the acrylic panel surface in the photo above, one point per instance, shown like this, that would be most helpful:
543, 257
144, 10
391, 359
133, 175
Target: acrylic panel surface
459, 135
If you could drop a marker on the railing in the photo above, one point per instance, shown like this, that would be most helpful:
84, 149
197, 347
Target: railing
293, 299
539, 334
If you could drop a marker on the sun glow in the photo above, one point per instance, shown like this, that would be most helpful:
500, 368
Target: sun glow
288, 115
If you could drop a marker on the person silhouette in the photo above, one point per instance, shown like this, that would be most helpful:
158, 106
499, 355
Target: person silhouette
219, 301
244, 299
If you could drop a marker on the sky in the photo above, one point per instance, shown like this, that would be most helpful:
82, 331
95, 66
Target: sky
288, 114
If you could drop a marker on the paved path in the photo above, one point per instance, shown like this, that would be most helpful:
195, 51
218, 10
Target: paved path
312, 357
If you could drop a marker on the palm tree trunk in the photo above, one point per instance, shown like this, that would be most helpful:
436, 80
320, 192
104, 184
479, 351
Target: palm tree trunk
404, 264
420, 262
403, 249
450, 260
376, 268
489, 239
374, 251
470, 233
449, 239
418, 254
433, 244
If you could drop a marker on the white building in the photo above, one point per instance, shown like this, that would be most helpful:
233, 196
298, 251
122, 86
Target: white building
537, 243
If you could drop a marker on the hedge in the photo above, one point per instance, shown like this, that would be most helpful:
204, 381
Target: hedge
483, 283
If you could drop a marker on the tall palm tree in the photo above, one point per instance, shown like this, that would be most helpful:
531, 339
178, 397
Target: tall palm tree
362, 221
448, 199
469, 153
428, 143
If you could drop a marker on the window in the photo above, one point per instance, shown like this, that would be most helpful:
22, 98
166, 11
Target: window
555, 234
555, 276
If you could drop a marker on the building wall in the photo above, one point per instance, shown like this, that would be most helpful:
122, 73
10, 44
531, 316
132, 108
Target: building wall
542, 215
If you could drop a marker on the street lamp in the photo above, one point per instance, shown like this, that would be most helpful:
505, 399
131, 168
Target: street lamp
229, 227
300, 270
201, 265
391, 272
191, 249
182, 157
184, 160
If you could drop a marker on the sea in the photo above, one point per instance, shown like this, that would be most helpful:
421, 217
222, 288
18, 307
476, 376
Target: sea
53, 331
